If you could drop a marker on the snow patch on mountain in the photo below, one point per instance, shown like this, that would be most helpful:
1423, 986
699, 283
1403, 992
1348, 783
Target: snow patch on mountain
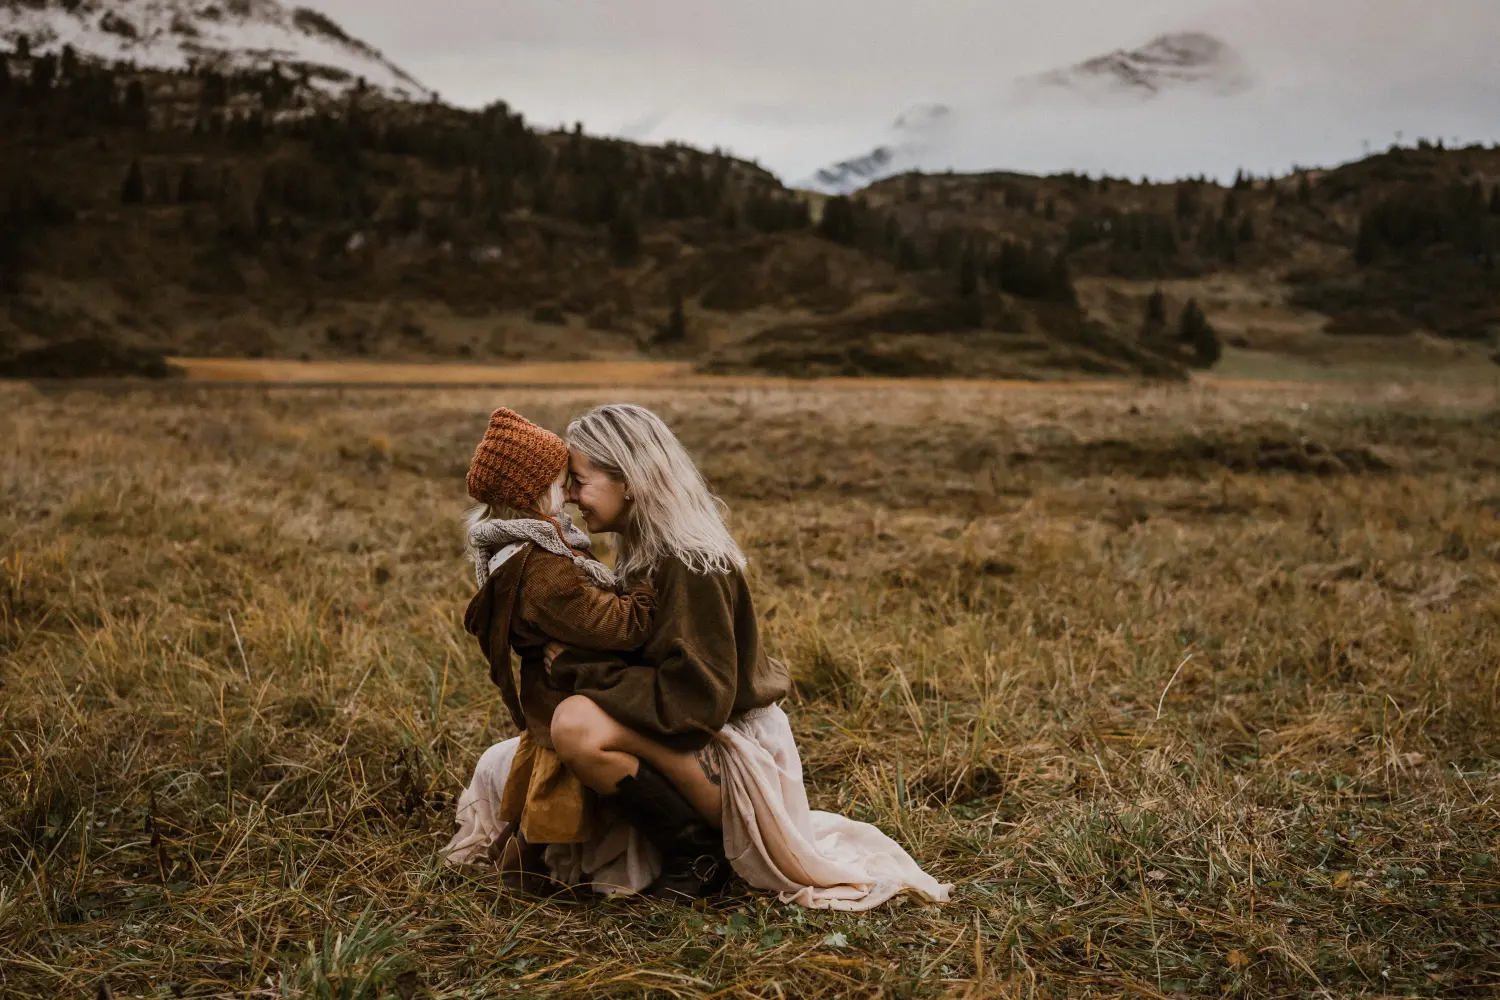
1167, 63
224, 35
913, 134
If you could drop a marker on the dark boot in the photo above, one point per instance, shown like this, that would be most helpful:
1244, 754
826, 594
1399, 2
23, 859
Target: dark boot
523, 867
693, 863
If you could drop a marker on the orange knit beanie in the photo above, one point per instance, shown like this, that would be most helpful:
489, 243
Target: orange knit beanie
515, 462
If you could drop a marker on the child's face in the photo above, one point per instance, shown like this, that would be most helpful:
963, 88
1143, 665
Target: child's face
600, 498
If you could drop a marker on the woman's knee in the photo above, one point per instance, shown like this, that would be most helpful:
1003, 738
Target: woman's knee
578, 728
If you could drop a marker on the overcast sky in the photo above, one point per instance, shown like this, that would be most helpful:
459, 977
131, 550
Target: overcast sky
798, 83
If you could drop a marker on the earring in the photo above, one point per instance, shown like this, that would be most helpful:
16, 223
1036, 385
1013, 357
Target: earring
627, 496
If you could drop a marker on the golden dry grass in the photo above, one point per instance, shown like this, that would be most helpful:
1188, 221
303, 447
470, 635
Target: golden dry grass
1192, 691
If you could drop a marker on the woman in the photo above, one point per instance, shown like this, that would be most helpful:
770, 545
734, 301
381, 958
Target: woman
684, 741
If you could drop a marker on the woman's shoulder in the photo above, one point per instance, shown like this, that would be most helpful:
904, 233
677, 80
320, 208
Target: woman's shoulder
675, 571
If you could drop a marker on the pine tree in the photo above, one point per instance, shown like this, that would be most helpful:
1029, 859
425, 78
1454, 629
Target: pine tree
1060, 281
133, 191
69, 63
968, 273
1367, 243
1495, 200
1304, 190
675, 332
1187, 201
625, 237
261, 216
1195, 331
1246, 232
23, 47
1231, 205
4, 75
1156, 310
135, 103
187, 185
838, 223
464, 198
43, 73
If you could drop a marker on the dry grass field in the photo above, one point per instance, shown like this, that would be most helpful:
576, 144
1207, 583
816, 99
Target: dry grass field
1192, 691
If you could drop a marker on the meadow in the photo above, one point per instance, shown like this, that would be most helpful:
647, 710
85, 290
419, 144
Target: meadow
1191, 691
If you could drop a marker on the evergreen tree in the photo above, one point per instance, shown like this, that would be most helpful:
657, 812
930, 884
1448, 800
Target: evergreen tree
1367, 243
43, 73
260, 219
1195, 331
133, 191
12, 251
968, 273
4, 76
464, 199
69, 63
135, 104
1304, 190
1231, 204
1187, 201
1495, 200
907, 257
1246, 232
675, 332
838, 222
23, 47
1060, 281
625, 237
1156, 310
187, 185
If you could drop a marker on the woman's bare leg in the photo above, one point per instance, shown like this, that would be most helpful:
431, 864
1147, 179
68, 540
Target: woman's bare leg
600, 752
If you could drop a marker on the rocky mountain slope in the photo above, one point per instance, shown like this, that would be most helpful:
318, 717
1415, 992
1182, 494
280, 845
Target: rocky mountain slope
228, 36
1184, 60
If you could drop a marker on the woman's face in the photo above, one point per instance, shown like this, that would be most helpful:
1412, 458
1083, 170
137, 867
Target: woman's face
600, 498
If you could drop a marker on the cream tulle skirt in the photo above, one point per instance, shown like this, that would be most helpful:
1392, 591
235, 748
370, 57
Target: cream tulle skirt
773, 839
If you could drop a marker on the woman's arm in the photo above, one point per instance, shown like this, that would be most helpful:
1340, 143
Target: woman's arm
687, 691
561, 601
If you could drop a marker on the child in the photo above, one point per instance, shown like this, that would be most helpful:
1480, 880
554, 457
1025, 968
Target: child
538, 584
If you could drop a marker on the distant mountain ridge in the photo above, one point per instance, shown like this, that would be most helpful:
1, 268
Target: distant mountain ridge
912, 134
1168, 64
1173, 61
225, 35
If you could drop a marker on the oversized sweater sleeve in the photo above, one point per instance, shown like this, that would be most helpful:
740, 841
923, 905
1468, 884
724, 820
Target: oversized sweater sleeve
559, 600
686, 691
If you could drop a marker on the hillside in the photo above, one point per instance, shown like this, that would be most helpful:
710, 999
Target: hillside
1402, 242
227, 36
257, 213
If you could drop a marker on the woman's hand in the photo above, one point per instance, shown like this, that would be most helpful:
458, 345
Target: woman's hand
549, 653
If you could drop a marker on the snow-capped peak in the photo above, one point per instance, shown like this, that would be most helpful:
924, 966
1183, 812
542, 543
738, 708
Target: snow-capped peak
226, 35
912, 134
1183, 59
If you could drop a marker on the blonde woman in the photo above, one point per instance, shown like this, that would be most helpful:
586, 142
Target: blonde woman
684, 740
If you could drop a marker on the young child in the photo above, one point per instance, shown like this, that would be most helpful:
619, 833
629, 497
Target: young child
538, 584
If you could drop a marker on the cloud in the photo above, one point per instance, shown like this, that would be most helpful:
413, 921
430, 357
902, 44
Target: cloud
801, 83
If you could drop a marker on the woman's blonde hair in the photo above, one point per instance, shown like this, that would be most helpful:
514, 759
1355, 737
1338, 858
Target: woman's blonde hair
672, 512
